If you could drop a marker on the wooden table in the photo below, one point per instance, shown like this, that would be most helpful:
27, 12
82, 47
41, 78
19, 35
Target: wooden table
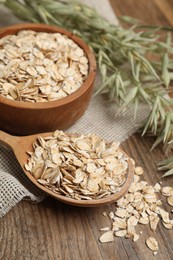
51, 230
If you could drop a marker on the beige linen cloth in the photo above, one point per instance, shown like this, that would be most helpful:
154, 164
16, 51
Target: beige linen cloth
100, 118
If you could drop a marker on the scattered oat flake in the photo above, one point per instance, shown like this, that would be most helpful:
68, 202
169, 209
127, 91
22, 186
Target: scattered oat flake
152, 244
111, 215
167, 225
153, 222
157, 187
107, 237
119, 223
121, 233
121, 213
135, 237
165, 215
139, 170
166, 191
170, 200
132, 221
105, 229
144, 220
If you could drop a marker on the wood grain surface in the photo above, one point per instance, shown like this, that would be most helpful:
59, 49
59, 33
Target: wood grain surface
51, 230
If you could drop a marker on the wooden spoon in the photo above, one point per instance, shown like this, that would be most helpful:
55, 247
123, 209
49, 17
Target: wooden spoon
20, 145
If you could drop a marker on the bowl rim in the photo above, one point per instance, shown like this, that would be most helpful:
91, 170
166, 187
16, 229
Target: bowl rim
13, 29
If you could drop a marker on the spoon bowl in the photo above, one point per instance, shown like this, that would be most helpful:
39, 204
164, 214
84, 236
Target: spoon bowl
20, 145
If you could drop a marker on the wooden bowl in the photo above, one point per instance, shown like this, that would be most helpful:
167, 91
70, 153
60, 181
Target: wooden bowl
24, 118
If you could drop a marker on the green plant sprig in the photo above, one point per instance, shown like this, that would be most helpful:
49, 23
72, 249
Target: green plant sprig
135, 63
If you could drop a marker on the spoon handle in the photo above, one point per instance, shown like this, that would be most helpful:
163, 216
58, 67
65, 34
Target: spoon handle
9, 140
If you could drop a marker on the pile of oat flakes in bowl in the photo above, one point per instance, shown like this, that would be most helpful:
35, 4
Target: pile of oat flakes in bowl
40, 66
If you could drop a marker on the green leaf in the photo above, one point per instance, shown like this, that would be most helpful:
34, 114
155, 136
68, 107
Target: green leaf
131, 59
167, 126
136, 107
158, 141
165, 72
128, 19
131, 95
168, 173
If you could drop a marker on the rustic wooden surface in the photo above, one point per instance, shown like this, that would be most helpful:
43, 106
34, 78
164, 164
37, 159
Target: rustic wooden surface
51, 230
